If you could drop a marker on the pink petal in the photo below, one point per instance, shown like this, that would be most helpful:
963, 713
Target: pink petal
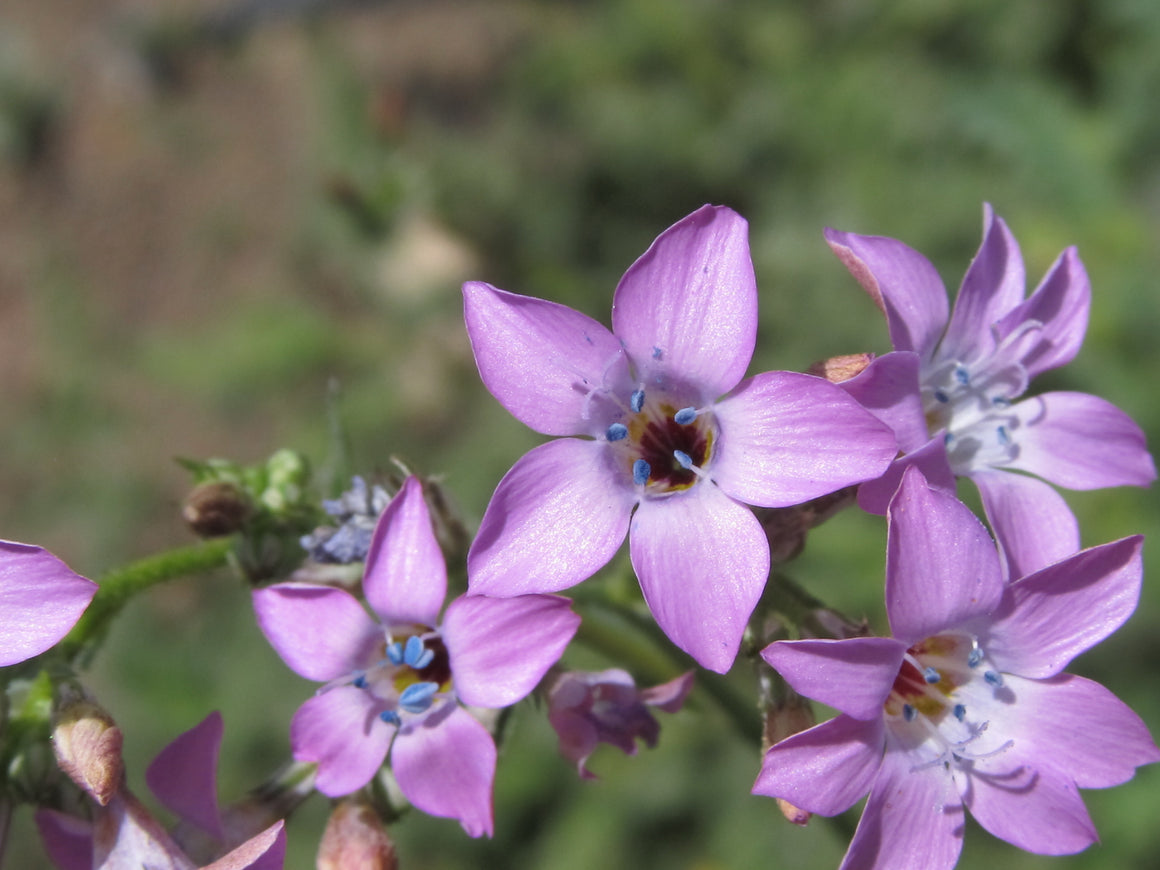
319, 631
1078, 727
41, 599
539, 359
1080, 441
126, 836
931, 459
1030, 805
889, 389
1067, 608
669, 696
912, 821
787, 438
688, 307
942, 568
825, 769
446, 768
183, 776
1061, 303
902, 282
264, 851
1031, 521
555, 519
702, 560
406, 577
500, 648
993, 285
67, 839
853, 676
341, 731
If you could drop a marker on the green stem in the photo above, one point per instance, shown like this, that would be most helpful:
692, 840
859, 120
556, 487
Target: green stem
117, 587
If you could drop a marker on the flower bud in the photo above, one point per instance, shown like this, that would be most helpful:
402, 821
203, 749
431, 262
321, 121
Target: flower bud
355, 837
841, 368
87, 743
216, 508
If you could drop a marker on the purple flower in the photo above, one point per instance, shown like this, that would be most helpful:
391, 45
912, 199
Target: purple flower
967, 706
124, 833
673, 443
41, 599
588, 708
394, 685
950, 394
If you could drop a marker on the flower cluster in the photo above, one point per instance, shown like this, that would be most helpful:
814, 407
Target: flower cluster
658, 436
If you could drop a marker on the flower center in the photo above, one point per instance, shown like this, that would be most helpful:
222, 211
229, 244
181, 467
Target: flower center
661, 443
414, 671
928, 708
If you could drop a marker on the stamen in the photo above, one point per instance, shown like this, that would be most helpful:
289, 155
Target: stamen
414, 652
993, 678
941, 396
909, 713
395, 653
360, 680
418, 696
960, 712
685, 416
390, 717
975, 657
640, 472
636, 401
1004, 435
657, 353
617, 432
962, 374
931, 675
683, 459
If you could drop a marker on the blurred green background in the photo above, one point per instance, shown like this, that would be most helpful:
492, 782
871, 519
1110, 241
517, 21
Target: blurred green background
213, 212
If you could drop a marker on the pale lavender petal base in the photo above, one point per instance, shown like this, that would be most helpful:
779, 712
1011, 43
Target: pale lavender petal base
500, 648
446, 769
341, 732
555, 519
41, 599
183, 776
702, 560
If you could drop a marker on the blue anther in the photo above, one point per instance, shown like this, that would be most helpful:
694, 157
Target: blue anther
395, 653
1004, 435
685, 416
414, 652
657, 353
616, 432
360, 680
931, 675
960, 712
640, 472
941, 396
390, 717
908, 712
974, 657
683, 459
993, 678
636, 401
417, 697
962, 375
1001, 402
948, 439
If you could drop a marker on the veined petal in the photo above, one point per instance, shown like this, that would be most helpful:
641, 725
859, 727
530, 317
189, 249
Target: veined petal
902, 282
555, 519
1061, 303
853, 676
500, 648
1078, 727
406, 577
319, 631
787, 438
540, 359
688, 306
931, 459
702, 560
1055, 614
41, 599
942, 568
446, 768
125, 835
993, 285
912, 821
1020, 797
264, 851
341, 732
1080, 441
183, 776
1031, 521
67, 839
889, 389
825, 769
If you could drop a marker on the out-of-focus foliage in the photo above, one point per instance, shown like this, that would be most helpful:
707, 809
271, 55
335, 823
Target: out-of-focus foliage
194, 253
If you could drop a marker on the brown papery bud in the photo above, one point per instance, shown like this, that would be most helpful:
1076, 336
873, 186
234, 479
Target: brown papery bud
215, 508
841, 368
355, 837
87, 744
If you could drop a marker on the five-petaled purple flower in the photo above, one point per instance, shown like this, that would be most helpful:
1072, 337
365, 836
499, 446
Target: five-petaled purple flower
395, 684
588, 708
949, 394
41, 599
673, 443
967, 706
